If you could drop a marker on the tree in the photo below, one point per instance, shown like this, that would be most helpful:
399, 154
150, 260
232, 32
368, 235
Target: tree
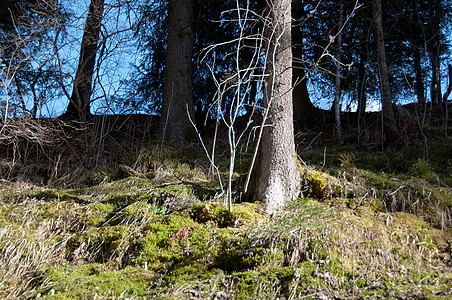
389, 123
337, 95
435, 49
277, 177
177, 86
79, 104
304, 112
27, 74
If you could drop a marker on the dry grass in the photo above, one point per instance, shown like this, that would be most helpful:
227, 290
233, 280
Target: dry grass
368, 234
27, 248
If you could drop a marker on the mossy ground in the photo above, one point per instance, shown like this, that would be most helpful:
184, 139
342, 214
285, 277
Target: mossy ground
370, 225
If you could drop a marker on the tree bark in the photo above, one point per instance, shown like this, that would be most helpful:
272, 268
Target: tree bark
79, 104
362, 83
434, 48
278, 178
389, 123
362, 80
337, 94
177, 84
418, 78
304, 112
449, 87
435, 88
445, 102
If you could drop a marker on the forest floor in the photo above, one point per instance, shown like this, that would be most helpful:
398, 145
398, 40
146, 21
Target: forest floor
148, 221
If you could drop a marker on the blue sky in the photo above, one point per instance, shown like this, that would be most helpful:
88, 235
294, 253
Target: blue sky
120, 54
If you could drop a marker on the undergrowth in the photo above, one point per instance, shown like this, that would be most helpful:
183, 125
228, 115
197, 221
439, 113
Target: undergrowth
369, 225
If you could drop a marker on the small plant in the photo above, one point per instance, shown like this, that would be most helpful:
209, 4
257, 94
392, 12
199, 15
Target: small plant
423, 169
347, 160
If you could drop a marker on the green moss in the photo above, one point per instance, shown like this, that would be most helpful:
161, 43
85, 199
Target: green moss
403, 220
217, 215
423, 169
320, 185
213, 213
246, 213
172, 240
96, 214
109, 243
96, 281
141, 210
380, 244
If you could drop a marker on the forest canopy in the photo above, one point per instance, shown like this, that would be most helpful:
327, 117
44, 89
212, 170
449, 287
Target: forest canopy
40, 41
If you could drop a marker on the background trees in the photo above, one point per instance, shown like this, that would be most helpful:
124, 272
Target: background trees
360, 58
177, 106
415, 38
79, 103
28, 78
389, 123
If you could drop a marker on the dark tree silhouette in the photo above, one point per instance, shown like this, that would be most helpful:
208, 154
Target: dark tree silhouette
79, 104
177, 102
389, 123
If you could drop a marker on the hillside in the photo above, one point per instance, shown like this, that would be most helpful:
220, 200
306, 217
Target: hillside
93, 214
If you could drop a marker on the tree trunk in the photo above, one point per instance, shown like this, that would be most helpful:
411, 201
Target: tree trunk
445, 102
337, 94
177, 84
416, 43
435, 89
418, 78
434, 46
251, 98
389, 123
79, 104
277, 177
362, 80
304, 112
449, 87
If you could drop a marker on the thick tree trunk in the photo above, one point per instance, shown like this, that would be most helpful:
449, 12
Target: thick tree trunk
79, 104
389, 123
304, 112
177, 85
278, 178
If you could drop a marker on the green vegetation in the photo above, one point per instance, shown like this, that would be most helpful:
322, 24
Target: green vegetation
364, 228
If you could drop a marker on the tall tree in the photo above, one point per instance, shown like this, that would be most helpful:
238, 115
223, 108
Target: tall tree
435, 49
79, 104
304, 112
389, 123
337, 94
277, 177
177, 86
